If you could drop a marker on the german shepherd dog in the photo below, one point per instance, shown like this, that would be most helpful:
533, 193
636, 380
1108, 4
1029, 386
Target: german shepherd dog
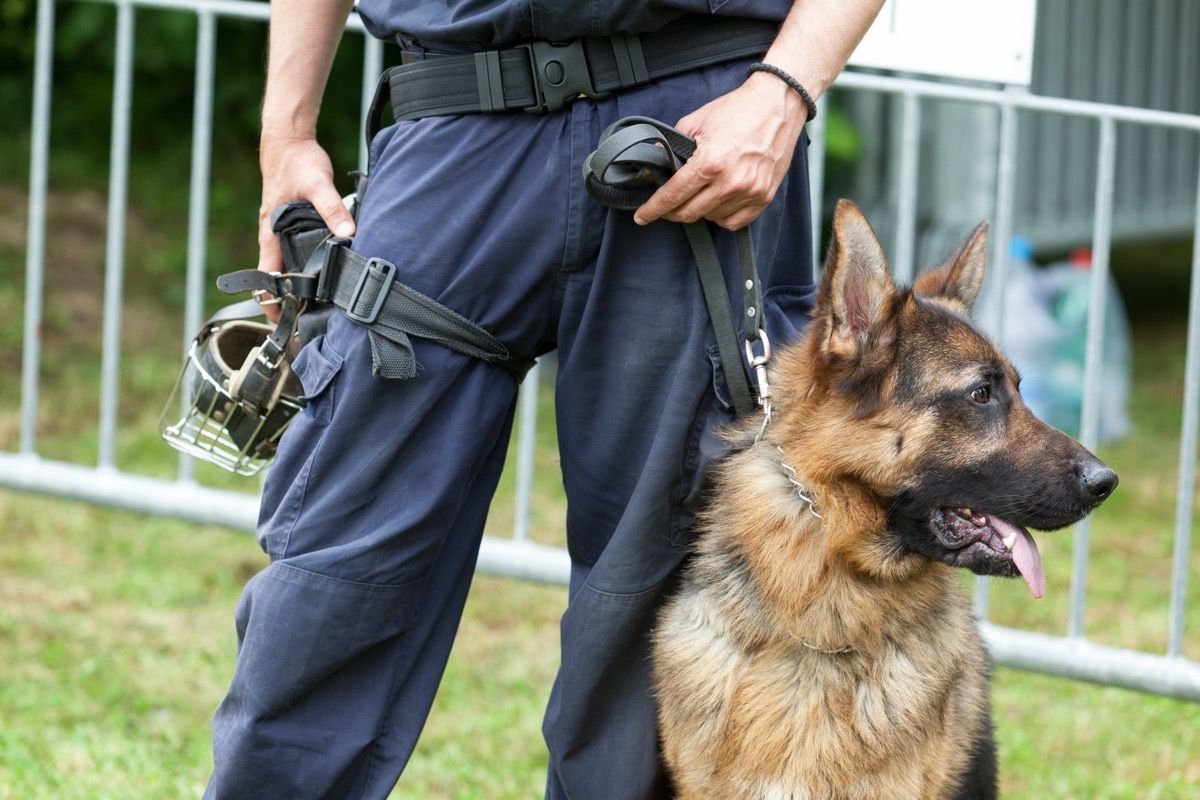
820, 646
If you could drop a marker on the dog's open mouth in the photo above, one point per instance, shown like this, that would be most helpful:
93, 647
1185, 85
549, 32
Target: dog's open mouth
987, 544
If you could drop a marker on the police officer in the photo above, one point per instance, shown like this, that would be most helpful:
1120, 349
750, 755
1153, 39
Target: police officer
373, 511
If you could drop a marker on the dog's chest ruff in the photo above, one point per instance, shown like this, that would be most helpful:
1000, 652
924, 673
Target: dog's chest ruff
804, 722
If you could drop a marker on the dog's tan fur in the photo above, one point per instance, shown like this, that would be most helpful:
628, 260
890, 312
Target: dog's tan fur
756, 699
805, 658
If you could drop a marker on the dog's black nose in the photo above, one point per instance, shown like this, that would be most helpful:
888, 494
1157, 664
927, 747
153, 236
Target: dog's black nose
1099, 480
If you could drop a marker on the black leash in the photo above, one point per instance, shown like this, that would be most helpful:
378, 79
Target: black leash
634, 157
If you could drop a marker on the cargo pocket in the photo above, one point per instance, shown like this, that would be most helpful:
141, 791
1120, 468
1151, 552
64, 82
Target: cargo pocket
705, 448
720, 386
316, 367
297, 628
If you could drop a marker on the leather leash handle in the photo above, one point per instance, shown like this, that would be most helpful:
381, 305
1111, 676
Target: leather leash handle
634, 157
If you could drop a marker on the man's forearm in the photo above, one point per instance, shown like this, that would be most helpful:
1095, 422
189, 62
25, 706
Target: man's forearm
303, 40
818, 37
746, 138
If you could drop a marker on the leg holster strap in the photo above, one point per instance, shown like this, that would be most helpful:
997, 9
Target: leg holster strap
322, 270
367, 291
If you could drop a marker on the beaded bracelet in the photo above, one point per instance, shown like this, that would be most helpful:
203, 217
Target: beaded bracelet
790, 81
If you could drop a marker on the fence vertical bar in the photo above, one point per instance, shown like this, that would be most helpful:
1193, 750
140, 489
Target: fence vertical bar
35, 236
526, 444
906, 215
197, 247
114, 267
372, 67
1093, 364
1186, 496
1006, 178
816, 177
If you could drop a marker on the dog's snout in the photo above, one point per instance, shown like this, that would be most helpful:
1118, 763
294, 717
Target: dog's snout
1098, 480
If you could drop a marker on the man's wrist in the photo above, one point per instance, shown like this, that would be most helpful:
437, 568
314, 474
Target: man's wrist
813, 80
288, 126
778, 93
275, 137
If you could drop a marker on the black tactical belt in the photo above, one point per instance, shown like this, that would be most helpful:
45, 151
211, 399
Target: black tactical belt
541, 77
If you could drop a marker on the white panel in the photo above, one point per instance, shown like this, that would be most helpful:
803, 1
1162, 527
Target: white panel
981, 40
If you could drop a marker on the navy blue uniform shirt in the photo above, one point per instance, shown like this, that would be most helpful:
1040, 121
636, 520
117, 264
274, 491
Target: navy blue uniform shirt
493, 22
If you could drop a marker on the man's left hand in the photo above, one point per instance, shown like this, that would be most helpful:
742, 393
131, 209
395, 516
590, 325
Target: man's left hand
744, 144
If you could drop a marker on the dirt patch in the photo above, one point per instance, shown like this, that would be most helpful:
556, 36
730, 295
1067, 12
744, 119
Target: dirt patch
76, 233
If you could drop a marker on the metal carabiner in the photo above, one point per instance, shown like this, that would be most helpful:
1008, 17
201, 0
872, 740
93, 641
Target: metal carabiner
759, 364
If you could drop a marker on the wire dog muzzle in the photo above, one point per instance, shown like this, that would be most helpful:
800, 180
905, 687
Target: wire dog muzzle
237, 392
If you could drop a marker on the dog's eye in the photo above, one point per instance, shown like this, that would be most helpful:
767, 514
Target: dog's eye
982, 394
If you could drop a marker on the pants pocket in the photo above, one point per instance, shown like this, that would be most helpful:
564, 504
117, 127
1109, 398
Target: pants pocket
311, 685
316, 367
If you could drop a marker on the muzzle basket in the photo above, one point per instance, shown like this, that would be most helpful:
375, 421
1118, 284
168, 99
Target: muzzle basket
214, 426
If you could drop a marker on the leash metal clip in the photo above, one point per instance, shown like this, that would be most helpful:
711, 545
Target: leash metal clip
759, 364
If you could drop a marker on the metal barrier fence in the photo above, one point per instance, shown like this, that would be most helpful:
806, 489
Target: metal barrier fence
1124, 52
1070, 655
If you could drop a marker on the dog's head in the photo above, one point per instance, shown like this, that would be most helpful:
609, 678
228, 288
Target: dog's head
896, 391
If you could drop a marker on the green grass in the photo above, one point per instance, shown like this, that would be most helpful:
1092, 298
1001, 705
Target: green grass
117, 628
118, 639
1075, 741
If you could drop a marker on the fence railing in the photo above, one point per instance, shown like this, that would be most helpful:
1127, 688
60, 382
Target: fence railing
106, 484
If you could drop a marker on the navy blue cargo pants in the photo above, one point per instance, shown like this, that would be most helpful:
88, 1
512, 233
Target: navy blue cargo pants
373, 510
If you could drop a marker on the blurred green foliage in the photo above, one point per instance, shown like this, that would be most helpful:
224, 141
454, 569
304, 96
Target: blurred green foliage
161, 115
165, 48
161, 126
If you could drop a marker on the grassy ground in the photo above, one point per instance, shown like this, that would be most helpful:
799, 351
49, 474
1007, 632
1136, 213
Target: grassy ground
118, 643
118, 637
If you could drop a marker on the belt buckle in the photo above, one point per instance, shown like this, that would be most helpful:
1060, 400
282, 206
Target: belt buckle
560, 75
377, 269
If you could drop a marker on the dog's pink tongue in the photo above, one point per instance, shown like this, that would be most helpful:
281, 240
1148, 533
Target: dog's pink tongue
1025, 556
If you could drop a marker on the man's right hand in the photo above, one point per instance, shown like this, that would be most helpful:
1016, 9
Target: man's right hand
295, 169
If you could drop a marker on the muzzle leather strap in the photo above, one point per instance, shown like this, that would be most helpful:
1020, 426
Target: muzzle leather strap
634, 157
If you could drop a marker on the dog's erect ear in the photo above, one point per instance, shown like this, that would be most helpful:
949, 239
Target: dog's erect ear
962, 277
856, 284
